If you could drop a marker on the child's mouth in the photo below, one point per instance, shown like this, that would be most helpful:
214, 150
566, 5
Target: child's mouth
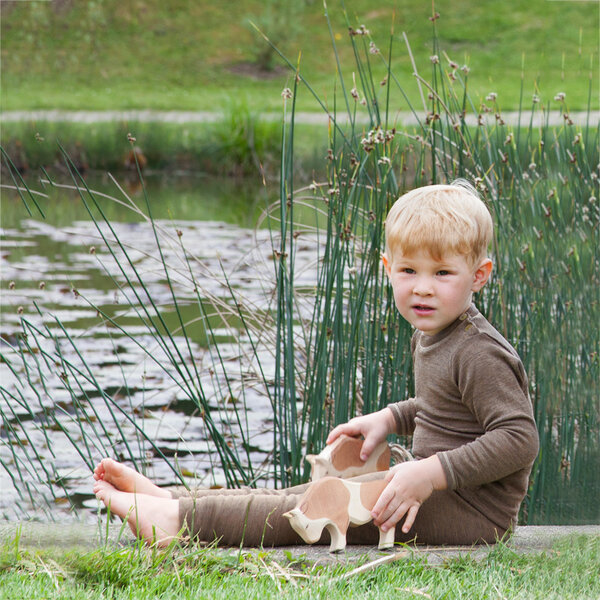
422, 310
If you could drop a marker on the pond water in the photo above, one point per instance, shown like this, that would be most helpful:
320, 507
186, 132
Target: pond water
74, 294
117, 358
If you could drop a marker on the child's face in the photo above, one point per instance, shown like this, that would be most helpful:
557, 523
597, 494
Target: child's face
430, 294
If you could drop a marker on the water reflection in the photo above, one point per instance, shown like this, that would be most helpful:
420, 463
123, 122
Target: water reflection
126, 395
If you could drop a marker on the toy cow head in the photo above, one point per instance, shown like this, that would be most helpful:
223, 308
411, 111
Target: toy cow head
342, 459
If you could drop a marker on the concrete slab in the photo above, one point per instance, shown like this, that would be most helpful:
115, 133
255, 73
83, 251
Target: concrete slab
525, 540
85, 537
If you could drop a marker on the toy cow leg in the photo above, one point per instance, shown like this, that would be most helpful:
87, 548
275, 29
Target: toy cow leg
387, 538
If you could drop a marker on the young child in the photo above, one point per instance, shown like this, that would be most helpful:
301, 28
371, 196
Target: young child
474, 436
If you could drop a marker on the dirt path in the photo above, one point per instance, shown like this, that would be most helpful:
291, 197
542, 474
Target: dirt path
555, 118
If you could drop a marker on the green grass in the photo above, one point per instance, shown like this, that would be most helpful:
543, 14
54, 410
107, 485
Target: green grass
182, 55
568, 570
237, 144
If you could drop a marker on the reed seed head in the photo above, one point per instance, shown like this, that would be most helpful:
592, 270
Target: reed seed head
11, 285
435, 59
286, 93
362, 30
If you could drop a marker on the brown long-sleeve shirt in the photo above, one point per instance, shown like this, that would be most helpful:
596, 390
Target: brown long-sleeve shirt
472, 409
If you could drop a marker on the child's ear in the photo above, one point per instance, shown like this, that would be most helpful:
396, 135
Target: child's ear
482, 274
386, 263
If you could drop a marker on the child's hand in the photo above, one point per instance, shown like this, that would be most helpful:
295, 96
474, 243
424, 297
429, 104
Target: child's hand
374, 428
410, 484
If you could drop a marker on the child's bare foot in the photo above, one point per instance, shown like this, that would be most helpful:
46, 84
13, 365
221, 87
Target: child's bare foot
126, 479
155, 520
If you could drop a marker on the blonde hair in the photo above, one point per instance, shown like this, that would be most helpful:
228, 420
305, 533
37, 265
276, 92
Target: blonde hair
440, 219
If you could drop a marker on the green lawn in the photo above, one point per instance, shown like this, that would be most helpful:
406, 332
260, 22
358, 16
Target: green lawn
568, 571
188, 55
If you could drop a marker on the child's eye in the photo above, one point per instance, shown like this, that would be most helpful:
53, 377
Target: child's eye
408, 270
443, 272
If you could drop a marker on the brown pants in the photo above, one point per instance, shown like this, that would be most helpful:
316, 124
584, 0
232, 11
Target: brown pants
253, 517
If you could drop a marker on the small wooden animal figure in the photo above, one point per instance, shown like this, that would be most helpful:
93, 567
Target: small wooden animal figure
342, 459
335, 504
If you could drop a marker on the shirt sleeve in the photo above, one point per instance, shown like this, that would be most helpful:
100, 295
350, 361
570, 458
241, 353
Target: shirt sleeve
404, 414
493, 386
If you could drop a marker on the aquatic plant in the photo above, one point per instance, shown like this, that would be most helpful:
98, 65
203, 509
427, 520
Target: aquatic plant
324, 341
234, 141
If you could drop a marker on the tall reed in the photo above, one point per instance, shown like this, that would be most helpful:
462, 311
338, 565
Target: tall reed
541, 183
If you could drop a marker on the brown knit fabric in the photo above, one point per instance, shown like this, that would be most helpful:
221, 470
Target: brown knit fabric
472, 409
253, 517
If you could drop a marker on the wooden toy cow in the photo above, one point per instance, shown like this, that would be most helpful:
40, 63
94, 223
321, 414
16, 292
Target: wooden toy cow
342, 459
335, 504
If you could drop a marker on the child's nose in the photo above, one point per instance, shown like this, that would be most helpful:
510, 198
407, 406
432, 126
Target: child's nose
422, 286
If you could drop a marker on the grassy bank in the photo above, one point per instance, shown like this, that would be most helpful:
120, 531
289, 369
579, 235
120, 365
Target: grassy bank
239, 143
568, 571
181, 55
